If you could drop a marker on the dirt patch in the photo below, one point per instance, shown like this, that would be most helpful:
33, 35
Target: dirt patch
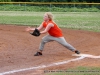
17, 48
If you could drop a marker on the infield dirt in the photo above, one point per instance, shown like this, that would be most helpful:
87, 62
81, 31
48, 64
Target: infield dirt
17, 48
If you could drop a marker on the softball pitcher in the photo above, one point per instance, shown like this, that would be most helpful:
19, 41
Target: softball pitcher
54, 34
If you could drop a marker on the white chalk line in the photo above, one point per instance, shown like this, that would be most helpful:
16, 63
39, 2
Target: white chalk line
42, 66
82, 56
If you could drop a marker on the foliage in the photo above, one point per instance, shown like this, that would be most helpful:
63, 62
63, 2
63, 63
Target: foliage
90, 1
45, 8
5, 0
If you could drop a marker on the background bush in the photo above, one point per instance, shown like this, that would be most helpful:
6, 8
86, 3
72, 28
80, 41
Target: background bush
45, 8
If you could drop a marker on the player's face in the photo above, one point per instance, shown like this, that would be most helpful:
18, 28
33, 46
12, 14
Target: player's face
45, 17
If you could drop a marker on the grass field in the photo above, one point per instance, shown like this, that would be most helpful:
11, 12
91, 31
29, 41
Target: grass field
76, 20
76, 71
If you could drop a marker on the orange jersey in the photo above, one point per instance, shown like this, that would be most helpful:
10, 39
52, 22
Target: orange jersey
53, 31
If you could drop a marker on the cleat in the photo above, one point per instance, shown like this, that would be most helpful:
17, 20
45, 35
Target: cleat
77, 52
38, 54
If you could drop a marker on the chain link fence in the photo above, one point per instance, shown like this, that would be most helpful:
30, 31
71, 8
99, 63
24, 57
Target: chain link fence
53, 6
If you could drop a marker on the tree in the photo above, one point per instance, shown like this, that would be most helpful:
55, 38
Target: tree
89, 1
5, 0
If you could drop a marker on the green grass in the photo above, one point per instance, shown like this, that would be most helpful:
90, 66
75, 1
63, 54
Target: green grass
20, 18
73, 20
50, 7
75, 71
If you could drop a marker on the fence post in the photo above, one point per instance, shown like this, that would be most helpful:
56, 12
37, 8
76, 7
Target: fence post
74, 7
25, 7
4, 6
50, 7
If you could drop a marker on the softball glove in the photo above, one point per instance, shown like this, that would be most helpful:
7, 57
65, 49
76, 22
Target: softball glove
36, 32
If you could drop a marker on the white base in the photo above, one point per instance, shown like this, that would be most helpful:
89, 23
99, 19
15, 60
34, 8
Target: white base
86, 55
